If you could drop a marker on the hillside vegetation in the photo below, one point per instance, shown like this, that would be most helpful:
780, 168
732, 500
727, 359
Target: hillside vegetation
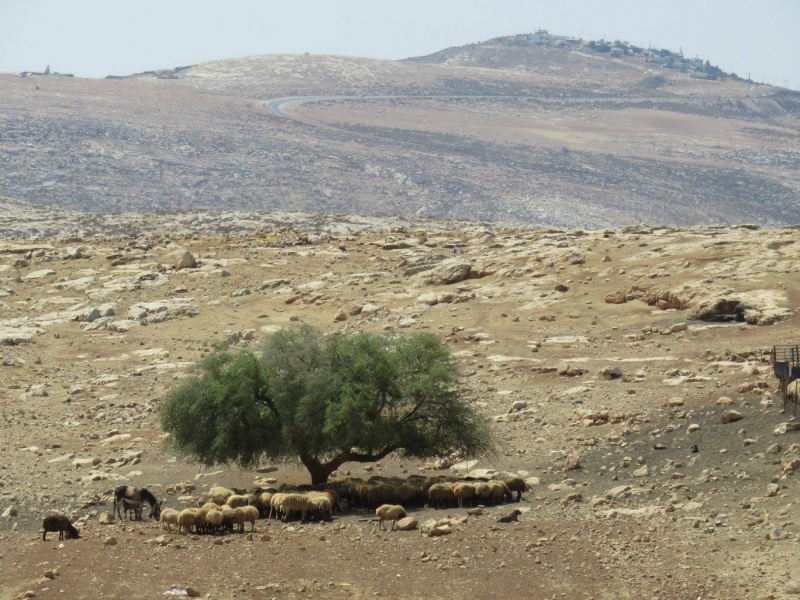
499, 131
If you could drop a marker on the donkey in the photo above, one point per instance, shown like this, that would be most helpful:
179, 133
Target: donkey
133, 498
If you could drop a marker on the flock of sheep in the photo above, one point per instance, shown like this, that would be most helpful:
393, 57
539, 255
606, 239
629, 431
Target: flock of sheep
222, 509
225, 510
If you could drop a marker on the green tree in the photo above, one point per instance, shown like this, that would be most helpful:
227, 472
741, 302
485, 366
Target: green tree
325, 401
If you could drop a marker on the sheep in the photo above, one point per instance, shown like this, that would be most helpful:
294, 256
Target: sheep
250, 514
793, 391
169, 517
483, 493
515, 483
214, 520
375, 495
389, 512
200, 520
210, 506
333, 496
441, 495
236, 501
274, 504
219, 495
321, 504
500, 491
60, 524
294, 503
186, 520
264, 503
239, 518
464, 493
406, 493
228, 518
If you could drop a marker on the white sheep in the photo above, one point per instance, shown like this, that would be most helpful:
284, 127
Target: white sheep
294, 503
322, 504
390, 512
169, 517
274, 504
186, 520
250, 514
214, 520
236, 501
219, 495
239, 518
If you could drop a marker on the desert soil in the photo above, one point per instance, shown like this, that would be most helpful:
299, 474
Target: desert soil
571, 342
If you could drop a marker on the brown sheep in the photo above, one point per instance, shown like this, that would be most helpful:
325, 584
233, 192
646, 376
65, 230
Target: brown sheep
60, 524
441, 495
516, 484
464, 492
500, 491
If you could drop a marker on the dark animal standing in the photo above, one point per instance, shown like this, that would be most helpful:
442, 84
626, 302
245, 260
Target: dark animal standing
60, 524
133, 498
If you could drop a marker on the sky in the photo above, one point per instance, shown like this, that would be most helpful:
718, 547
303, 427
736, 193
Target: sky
95, 38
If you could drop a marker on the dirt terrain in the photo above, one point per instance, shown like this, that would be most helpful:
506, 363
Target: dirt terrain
493, 131
609, 347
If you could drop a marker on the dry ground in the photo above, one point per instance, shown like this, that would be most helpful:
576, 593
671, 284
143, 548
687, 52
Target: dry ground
531, 324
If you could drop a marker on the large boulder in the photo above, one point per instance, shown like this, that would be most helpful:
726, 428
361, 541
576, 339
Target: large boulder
180, 259
448, 271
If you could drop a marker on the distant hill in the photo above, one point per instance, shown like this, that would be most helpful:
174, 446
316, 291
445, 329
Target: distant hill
506, 130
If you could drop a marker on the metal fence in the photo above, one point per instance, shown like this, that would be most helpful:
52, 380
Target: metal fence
786, 366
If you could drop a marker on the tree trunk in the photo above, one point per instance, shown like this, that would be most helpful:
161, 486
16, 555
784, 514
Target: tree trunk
319, 471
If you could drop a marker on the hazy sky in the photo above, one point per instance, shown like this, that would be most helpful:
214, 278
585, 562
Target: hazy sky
94, 38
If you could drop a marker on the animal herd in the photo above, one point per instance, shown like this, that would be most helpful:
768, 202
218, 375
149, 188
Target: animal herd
223, 510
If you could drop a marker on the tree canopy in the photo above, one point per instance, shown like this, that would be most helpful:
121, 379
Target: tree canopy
324, 400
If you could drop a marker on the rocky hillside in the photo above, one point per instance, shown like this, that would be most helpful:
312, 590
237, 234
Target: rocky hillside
498, 132
625, 372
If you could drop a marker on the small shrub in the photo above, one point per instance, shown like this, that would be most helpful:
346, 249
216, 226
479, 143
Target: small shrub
652, 82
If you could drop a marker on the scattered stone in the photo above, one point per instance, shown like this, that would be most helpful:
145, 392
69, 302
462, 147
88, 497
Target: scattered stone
790, 463
675, 402
110, 541
724, 401
616, 298
775, 534
572, 462
184, 259
407, 524
451, 270
731, 416
106, 518
610, 372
